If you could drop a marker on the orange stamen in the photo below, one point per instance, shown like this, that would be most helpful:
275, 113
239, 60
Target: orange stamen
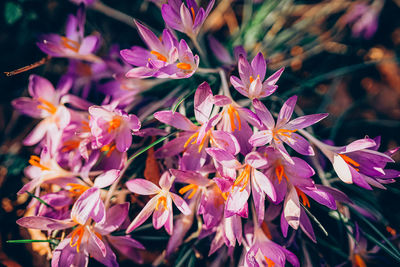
266, 230
391, 230
70, 44
85, 126
193, 14
284, 132
280, 172
77, 189
35, 161
184, 66
79, 231
161, 200
306, 201
232, 112
243, 177
109, 148
350, 161
193, 136
70, 145
187, 188
359, 262
114, 124
251, 79
46, 105
270, 263
158, 55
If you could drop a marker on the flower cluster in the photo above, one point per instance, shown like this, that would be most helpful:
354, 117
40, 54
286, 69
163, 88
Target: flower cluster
233, 167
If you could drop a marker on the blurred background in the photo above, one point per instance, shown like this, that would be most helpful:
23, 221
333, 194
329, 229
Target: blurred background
341, 57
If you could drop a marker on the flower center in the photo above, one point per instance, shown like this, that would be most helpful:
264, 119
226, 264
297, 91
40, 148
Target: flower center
162, 200
283, 132
280, 172
46, 105
158, 55
70, 44
184, 66
187, 188
350, 161
77, 189
270, 263
108, 148
252, 79
243, 177
35, 161
76, 237
70, 145
304, 198
114, 124
232, 112
195, 136
85, 126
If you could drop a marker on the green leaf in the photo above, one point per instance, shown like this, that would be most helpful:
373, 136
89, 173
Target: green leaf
12, 12
39, 199
315, 220
25, 241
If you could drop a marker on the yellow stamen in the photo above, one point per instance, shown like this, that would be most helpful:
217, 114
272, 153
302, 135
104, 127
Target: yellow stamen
251, 79
161, 200
158, 55
79, 231
306, 201
184, 66
193, 14
270, 263
70, 44
70, 145
187, 188
77, 189
359, 262
280, 172
46, 105
35, 161
114, 124
243, 177
232, 112
284, 132
350, 161
193, 136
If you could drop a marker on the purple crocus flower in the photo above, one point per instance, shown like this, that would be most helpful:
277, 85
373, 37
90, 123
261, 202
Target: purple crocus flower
284, 130
364, 19
45, 104
195, 138
359, 162
251, 83
187, 19
73, 44
160, 204
264, 252
109, 124
250, 180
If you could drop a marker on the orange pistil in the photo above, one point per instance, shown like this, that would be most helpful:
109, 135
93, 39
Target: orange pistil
280, 172
70, 145
184, 66
108, 148
35, 161
359, 262
46, 105
187, 188
252, 79
350, 161
77, 189
232, 112
266, 230
306, 201
391, 230
70, 44
114, 124
284, 132
158, 55
270, 263
193, 14
161, 200
79, 232
243, 177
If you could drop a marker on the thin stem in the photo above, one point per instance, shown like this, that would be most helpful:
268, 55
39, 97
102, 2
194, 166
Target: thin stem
199, 49
224, 82
113, 13
207, 70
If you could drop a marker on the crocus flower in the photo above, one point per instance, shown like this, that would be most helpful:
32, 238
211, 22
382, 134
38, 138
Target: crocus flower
264, 252
73, 44
251, 83
45, 104
110, 124
364, 19
250, 180
359, 162
160, 204
195, 139
284, 130
187, 19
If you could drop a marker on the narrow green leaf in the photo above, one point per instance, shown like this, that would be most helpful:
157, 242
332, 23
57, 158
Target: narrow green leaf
382, 246
12, 12
315, 219
185, 256
39, 199
183, 99
25, 241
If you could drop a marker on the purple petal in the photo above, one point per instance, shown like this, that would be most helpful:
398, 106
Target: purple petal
176, 120
305, 121
286, 111
143, 215
136, 55
224, 157
299, 144
89, 205
89, 45
256, 160
115, 216
106, 179
203, 102
180, 204
142, 187
123, 140
44, 223
40, 87
261, 138
265, 184
259, 66
149, 37
263, 114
